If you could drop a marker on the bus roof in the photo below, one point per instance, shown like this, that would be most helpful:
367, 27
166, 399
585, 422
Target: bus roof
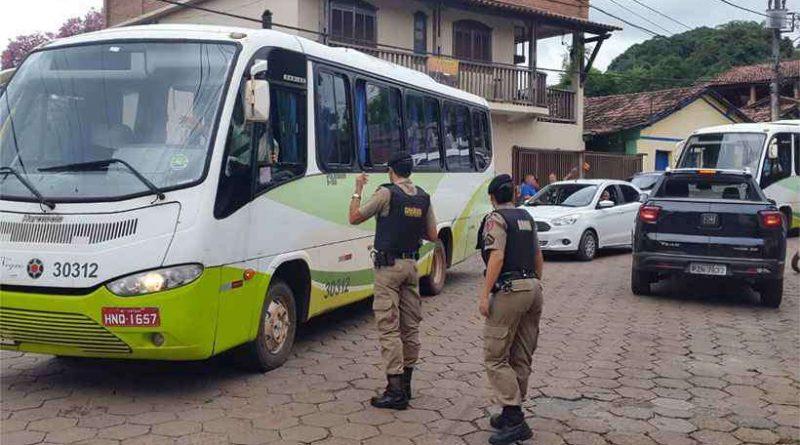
765, 127
265, 37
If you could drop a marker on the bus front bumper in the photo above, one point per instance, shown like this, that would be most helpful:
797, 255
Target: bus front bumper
72, 325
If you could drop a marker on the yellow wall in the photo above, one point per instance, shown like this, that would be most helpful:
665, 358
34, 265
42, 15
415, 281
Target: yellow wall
679, 125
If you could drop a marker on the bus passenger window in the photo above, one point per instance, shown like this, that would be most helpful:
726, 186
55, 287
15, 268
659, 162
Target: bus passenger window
781, 167
422, 131
797, 154
457, 138
482, 140
334, 122
281, 153
379, 123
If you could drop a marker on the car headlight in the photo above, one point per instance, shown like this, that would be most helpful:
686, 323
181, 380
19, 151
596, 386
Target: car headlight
155, 280
565, 220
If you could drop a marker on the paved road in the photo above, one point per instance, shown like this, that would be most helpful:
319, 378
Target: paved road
700, 365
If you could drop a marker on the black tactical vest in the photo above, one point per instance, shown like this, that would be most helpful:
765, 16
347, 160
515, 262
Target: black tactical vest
520, 251
401, 231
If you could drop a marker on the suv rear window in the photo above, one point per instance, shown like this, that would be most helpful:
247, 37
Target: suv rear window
708, 187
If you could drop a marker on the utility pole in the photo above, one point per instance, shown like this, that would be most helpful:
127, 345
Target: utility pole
776, 22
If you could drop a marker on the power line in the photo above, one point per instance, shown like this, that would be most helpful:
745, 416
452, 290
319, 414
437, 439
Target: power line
640, 16
728, 2
663, 15
655, 34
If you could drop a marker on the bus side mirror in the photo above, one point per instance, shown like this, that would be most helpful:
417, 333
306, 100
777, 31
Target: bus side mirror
257, 94
773, 149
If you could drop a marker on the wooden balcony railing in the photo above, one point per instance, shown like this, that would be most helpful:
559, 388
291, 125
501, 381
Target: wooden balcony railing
494, 82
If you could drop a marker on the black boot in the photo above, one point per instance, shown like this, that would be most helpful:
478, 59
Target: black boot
394, 397
407, 371
512, 427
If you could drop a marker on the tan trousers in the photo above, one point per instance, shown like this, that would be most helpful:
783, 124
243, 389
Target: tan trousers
510, 335
398, 311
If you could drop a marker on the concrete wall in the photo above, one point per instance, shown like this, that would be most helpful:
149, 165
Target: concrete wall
664, 134
531, 133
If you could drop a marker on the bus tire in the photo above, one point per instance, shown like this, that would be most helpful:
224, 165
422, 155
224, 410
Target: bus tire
276, 330
433, 283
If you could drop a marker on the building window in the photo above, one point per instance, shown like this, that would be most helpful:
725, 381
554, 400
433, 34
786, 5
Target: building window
472, 41
354, 21
420, 32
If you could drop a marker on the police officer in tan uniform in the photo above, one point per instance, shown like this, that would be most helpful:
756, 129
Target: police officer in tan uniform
404, 217
511, 302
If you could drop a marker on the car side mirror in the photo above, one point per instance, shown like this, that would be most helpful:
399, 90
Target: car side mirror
605, 204
644, 196
772, 201
773, 149
257, 94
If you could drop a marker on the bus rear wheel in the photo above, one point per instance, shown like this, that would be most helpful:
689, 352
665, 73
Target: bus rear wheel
433, 283
276, 330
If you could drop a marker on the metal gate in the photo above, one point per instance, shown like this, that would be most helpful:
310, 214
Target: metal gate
542, 162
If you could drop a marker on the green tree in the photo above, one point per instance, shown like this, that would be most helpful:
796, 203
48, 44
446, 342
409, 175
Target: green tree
683, 59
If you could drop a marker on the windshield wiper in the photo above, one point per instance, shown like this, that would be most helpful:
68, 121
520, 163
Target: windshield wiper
102, 165
11, 171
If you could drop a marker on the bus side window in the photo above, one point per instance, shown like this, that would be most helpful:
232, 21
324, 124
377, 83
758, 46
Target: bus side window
482, 140
281, 154
334, 122
422, 131
457, 138
781, 167
236, 176
380, 124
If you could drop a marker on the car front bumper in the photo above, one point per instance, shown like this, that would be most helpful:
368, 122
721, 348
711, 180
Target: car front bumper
560, 239
747, 268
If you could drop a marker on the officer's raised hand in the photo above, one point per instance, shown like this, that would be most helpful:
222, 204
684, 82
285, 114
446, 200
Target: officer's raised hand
361, 181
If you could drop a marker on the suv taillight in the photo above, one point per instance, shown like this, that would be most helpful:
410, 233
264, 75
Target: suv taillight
649, 214
770, 219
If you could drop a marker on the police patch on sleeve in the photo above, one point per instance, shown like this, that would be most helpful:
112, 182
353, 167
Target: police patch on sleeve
488, 240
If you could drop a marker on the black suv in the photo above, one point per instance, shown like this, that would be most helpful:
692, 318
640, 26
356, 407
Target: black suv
714, 223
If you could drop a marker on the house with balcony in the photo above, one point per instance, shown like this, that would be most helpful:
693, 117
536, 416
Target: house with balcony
486, 47
748, 87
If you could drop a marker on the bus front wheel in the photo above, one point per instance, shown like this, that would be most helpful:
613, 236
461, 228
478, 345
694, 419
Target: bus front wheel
276, 330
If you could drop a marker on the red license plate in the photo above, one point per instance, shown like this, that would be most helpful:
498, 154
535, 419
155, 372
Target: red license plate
131, 317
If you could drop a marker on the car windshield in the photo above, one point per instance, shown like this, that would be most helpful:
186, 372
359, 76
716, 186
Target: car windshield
566, 195
153, 105
645, 182
724, 151
724, 187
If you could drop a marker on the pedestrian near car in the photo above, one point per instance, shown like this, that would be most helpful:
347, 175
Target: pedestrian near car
404, 218
511, 302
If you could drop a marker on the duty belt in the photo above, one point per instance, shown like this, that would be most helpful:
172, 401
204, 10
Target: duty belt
385, 259
505, 283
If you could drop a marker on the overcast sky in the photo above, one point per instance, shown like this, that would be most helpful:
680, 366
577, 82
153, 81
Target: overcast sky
27, 16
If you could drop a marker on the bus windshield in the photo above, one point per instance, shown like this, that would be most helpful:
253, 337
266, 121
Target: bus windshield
150, 105
735, 151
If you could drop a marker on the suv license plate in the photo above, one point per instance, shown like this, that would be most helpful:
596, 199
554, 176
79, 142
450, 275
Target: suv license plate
708, 269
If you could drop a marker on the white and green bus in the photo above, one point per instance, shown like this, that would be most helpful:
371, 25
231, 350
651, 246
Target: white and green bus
173, 192
770, 151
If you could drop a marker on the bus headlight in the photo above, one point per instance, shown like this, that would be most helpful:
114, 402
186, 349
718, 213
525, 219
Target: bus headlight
155, 280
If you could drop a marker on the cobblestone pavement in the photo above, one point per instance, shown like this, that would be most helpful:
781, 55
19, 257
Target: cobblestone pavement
703, 365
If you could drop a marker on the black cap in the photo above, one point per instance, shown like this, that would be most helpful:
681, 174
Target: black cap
399, 157
498, 182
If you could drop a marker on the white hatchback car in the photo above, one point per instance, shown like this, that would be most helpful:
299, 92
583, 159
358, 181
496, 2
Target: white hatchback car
584, 215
